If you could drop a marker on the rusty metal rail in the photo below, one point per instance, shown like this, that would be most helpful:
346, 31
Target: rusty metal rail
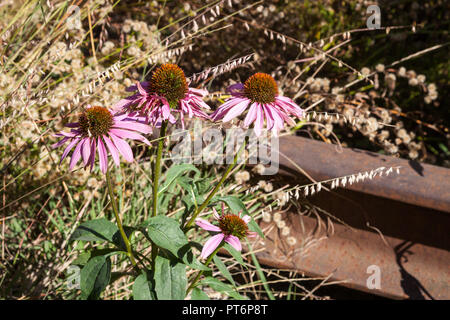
399, 223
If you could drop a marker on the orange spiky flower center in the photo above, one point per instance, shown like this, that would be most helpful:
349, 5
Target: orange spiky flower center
169, 81
261, 88
96, 121
231, 224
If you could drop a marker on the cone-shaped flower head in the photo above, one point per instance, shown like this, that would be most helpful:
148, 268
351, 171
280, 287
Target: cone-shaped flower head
167, 93
259, 94
98, 130
169, 82
232, 228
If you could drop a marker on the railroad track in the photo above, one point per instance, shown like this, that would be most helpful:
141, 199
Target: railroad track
399, 224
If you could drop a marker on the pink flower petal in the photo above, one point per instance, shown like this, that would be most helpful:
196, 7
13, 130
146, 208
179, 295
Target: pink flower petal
269, 117
224, 108
234, 242
259, 122
205, 225
251, 115
68, 148
215, 214
92, 157
125, 134
200, 92
86, 150
135, 126
102, 155
235, 111
236, 89
246, 218
75, 156
128, 101
60, 142
211, 245
123, 148
113, 150
141, 89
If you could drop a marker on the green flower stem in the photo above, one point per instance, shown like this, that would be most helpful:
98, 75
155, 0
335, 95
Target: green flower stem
119, 222
157, 169
156, 176
200, 272
216, 188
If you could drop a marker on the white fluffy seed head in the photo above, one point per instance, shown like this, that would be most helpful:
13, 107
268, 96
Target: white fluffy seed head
285, 231
277, 217
291, 241
281, 224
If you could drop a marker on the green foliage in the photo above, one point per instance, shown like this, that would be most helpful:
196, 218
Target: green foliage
95, 277
198, 294
221, 287
170, 279
143, 289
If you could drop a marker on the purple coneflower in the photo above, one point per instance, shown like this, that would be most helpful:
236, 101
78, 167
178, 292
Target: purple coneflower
166, 93
260, 91
232, 229
99, 129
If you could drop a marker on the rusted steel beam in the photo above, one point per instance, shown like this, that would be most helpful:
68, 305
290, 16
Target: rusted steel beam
419, 184
398, 223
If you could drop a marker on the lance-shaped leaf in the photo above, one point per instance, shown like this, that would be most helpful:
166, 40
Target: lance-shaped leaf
170, 279
95, 276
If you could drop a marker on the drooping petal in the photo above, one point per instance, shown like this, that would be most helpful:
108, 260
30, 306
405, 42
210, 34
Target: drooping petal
136, 126
234, 242
68, 148
206, 225
259, 122
126, 134
123, 148
200, 92
224, 108
124, 103
113, 150
60, 142
102, 155
86, 150
251, 115
92, 157
75, 156
235, 111
269, 117
211, 245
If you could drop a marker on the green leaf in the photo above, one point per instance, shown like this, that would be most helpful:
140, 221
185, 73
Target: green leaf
170, 279
82, 259
236, 254
174, 172
95, 277
166, 233
198, 294
143, 289
223, 269
222, 287
186, 255
95, 230
236, 205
